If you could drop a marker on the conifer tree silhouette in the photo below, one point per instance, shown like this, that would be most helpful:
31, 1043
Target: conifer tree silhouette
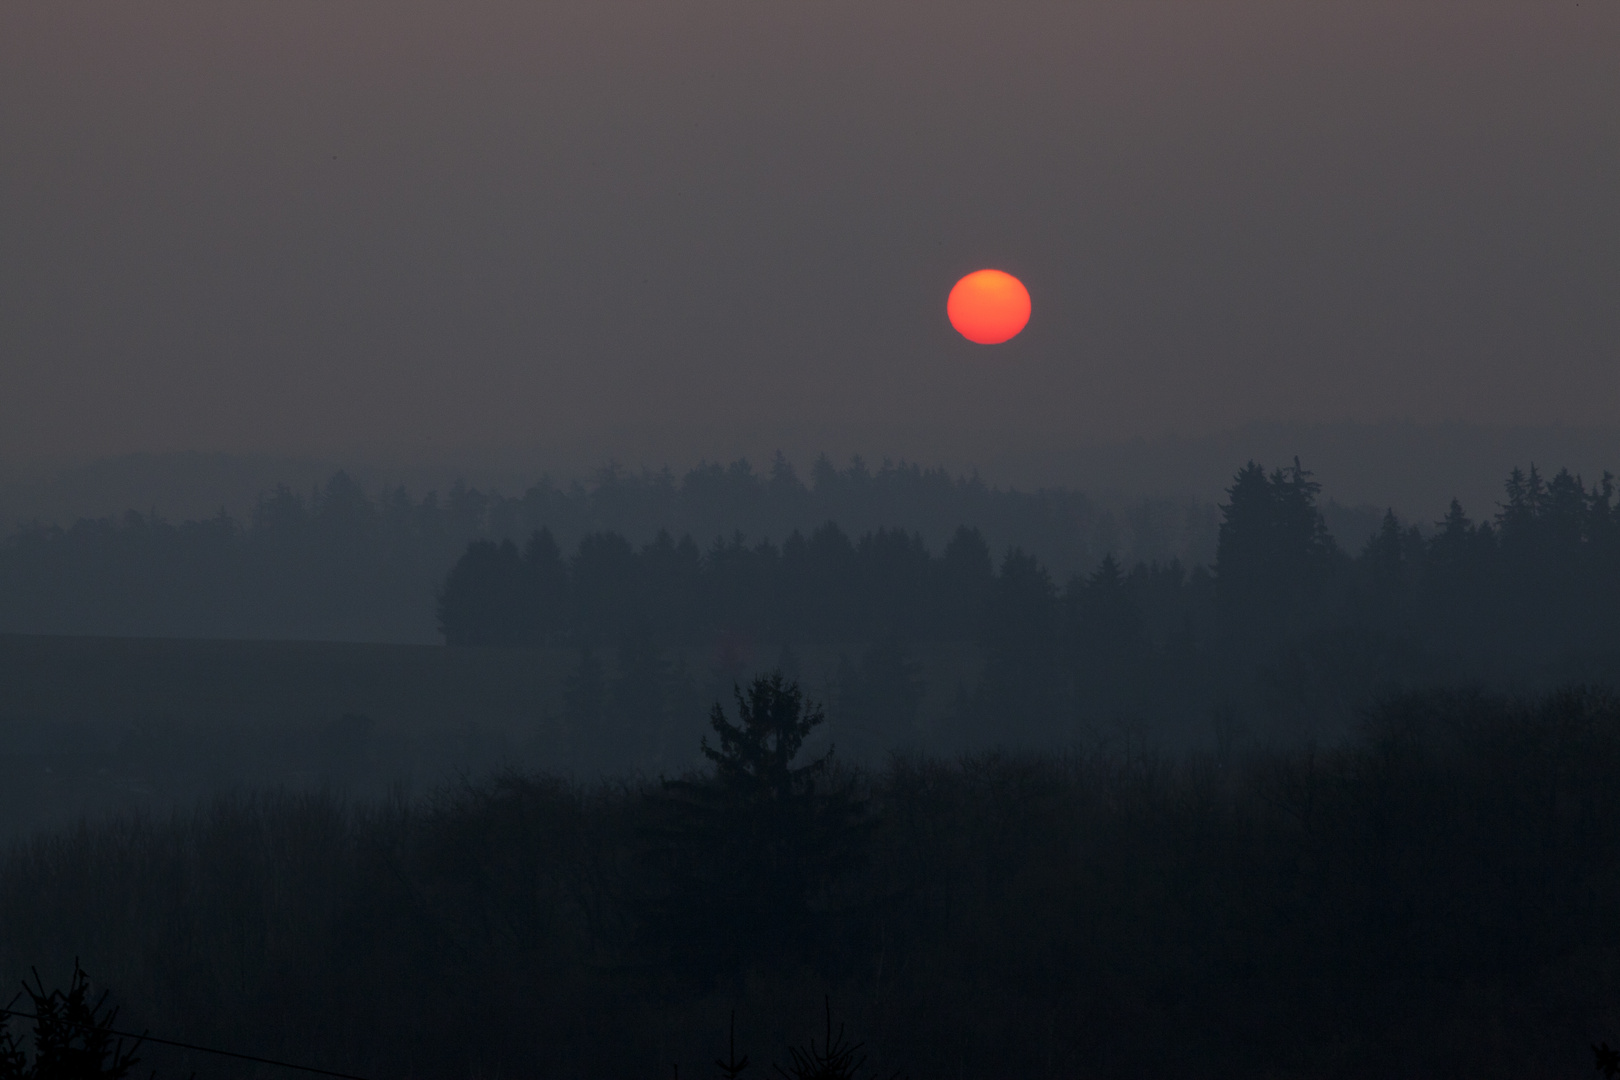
1608, 1060
1273, 550
13, 1058
754, 760
835, 1059
73, 1038
749, 852
731, 1068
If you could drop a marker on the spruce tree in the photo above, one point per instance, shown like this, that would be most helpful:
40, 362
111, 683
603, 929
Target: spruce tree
73, 1036
748, 855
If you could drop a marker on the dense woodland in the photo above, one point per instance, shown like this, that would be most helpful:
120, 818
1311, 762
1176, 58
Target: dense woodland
1547, 562
1286, 632
952, 631
341, 563
1299, 812
1439, 896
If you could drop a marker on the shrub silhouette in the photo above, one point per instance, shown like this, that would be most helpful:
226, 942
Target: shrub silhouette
73, 1037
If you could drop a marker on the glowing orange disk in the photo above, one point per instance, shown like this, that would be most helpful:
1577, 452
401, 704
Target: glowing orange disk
988, 307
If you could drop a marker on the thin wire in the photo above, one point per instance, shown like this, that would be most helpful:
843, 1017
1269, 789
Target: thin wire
6, 1013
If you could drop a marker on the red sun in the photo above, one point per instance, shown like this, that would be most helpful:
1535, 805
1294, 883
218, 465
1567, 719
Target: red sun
988, 307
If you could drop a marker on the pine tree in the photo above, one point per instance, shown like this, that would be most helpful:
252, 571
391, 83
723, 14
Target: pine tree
1244, 544
1600, 520
1454, 537
748, 855
73, 1036
1273, 551
1518, 518
1384, 554
754, 761
835, 1059
1564, 519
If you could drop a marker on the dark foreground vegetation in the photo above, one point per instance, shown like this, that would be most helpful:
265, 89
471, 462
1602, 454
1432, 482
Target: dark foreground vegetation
72, 1036
1439, 896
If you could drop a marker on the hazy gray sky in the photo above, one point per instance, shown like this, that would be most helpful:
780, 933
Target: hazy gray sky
694, 227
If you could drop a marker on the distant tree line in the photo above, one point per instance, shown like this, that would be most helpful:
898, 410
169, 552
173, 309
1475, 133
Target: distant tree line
340, 562
821, 587
1279, 620
1540, 573
1282, 602
1548, 561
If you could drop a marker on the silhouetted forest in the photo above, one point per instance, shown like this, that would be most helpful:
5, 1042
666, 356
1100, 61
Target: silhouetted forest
1303, 811
1285, 628
1436, 897
339, 563
1544, 568
942, 642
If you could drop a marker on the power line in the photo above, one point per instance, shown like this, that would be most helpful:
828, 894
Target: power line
7, 1013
